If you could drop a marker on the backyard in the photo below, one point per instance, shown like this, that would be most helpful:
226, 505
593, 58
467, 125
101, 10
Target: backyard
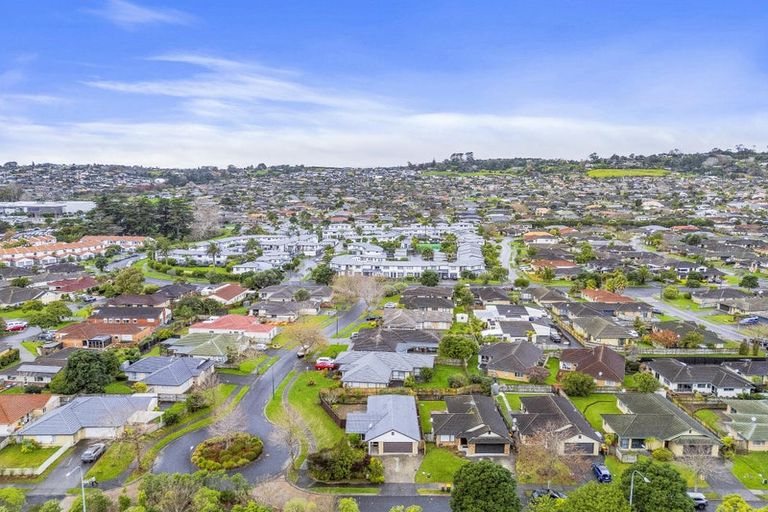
594, 405
426, 407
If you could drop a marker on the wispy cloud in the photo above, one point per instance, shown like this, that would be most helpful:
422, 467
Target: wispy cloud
129, 15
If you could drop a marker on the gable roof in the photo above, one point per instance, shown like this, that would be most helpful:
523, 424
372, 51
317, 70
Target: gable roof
176, 290
680, 373
601, 327
444, 292
15, 295
242, 323
205, 344
130, 299
228, 291
377, 367
143, 312
748, 418
386, 413
390, 340
413, 302
472, 417
552, 410
600, 363
88, 330
15, 407
398, 318
517, 356
169, 371
605, 296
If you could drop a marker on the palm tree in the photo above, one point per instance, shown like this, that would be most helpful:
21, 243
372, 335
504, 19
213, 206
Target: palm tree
213, 250
164, 247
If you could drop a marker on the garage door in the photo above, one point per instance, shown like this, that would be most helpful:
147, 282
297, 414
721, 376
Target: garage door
579, 448
490, 448
398, 447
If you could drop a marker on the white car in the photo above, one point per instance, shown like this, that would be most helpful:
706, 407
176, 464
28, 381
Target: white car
260, 346
390, 305
634, 334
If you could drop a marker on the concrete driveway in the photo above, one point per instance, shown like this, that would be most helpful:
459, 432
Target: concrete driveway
401, 469
14, 340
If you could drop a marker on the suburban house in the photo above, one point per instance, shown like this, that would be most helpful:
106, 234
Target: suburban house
511, 361
248, 326
747, 423
16, 410
91, 335
651, 417
176, 291
471, 424
604, 296
556, 413
707, 379
442, 292
228, 293
287, 292
75, 285
508, 312
683, 327
278, 312
142, 315
746, 306
710, 297
413, 319
516, 330
380, 369
488, 295
138, 300
544, 296
396, 340
389, 426
597, 330
601, 363
93, 417
170, 375
755, 370
427, 303
11, 296
219, 347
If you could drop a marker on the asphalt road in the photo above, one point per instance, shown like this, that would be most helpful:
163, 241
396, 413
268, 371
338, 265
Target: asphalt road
14, 340
175, 457
126, 262
385, 503
506, 256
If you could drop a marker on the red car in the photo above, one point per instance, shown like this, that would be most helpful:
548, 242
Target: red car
15, 326
325, 363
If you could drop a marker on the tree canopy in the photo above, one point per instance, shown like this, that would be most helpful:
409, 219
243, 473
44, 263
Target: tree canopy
666, 489
484, 486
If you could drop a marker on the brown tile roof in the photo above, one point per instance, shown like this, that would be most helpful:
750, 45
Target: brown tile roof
15, 407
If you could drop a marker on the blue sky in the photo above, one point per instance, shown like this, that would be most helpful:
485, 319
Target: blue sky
376, 83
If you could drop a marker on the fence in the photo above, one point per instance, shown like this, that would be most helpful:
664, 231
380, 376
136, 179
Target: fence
38, 470
525, 388
683, 351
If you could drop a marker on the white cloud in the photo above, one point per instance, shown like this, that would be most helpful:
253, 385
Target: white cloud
128, 15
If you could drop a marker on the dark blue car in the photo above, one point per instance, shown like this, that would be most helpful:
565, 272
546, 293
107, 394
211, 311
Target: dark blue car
602, 473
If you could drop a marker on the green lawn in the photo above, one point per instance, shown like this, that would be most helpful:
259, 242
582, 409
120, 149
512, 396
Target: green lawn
267, 365
553, 364
303, 396
426, 407
749, 468
624, 173
666, 318
114, 462
629, 381
594, 405
154, 352
32, 346
333, 350
724, 319
274, 410
346, 490
13, 314
438, 466
15, 390
118, 388
246, 367
710, 419
355, 326
686, 304
11, 457
440, 378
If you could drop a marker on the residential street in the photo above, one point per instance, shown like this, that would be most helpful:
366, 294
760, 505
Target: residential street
506, 258
14, 340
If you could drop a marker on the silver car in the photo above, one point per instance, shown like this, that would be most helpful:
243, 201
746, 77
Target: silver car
93, 452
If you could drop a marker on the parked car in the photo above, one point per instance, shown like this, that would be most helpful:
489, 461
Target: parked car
93, 452
301, 353
540, 493
750, 320
260, 346
390, 305
372, 318
88, 298
699, 500
634, 333
16, 325
325, 363
354, 334
602, 473
555, 336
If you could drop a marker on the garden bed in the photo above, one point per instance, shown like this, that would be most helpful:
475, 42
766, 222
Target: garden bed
227, 452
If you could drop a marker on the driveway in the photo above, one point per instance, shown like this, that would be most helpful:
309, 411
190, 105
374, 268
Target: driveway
64, 476
14, 340
401, 469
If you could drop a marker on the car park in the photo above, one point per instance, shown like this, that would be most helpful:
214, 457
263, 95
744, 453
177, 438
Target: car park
325, 363
602, 473
93, 452
700, 501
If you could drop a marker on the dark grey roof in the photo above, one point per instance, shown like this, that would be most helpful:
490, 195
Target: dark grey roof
137, 300
470, 417
388, 340
515, 328
127, 312
518, 356
749, 367
176, 290
490, 293
444, 292
720, 293
601, 327
377, 367
599, 362
426, 302
169, 371
12, 295
680, 373
554, 412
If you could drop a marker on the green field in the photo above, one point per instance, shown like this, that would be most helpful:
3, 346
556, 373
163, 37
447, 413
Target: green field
439, 466
594, 405
750, 469
304, 397
624, 173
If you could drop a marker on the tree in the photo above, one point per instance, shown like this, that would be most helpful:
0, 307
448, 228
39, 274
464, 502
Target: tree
87, 371
642, 275
428, 254
307, 335
48, 506
95, 501
595, 497
646, 383
482, 487
429, 278
228, 425
735, 503
462, 296
213, 250
665, 337
541, 454
301, 295
749, 281
617, 283
546, 274
403, 508
351, 288
577, 384
691, 339
323, 274
20, 282
521, 282
666, 489
699, 460
12, 499
585, 254
537, 375
458, 346
100, 262
545, 504
670, 292
129, 280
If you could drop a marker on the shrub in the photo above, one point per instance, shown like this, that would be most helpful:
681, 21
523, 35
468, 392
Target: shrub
29, 446
171, 417
427, 374
578, 384
375, 471
227, 452
195, 402
671, 292
457, 381
662, 454
409, 382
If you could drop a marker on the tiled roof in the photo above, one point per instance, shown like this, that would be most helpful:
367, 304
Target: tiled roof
15, 407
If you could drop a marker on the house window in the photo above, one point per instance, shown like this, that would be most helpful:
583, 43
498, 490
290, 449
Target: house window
638, 444
624, 443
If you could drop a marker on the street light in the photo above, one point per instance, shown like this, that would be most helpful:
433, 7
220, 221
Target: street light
82, 484
632, 485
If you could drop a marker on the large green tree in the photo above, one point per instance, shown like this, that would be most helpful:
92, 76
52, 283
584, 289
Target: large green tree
665, 489
87, 371
429, 278
593, 497
129, 280
577, 384
458, 346
482, 487
323, 274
